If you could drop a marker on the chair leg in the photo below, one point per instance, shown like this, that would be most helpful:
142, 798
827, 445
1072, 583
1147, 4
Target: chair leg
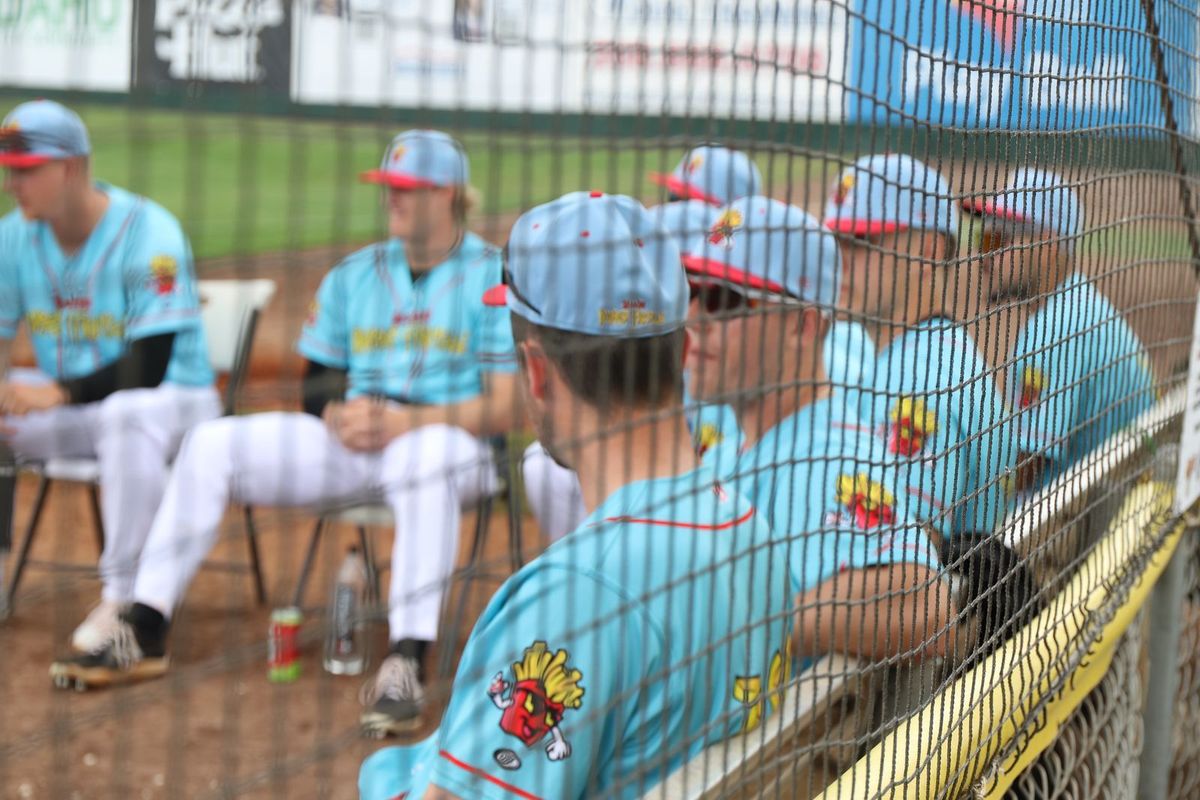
368, 554
306, 567
260, 590
449, 640
39, 504
97, 519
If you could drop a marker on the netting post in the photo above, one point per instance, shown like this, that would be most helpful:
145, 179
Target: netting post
1162, 677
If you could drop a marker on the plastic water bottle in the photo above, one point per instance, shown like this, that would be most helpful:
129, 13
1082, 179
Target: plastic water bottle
346, 641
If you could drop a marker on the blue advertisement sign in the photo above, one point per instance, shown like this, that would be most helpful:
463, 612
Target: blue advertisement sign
1016, 64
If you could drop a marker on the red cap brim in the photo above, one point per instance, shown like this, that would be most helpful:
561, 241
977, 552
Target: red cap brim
864, 227
396, 180
682, 189
23, 160
717, 270
991, 208
496, 296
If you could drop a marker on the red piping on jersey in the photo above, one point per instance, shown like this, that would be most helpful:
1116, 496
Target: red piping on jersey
490, 778
689, 525
846, 426
928, 498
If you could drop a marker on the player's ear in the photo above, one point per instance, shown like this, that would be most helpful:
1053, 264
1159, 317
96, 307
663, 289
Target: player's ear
535, 369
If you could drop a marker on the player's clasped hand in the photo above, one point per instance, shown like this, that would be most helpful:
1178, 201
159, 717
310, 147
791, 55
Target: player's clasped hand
363, 423
18, 399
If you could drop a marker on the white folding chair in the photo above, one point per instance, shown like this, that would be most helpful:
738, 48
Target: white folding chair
230, 310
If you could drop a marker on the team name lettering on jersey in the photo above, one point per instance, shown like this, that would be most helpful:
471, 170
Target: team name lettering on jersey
418, 337
74, 325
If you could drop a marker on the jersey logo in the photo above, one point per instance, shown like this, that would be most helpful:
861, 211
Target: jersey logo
708, 437
722, 230
910, 425
841, 192
163, 272
314, 310
748, 690
1033, 381
543, 688
868, 502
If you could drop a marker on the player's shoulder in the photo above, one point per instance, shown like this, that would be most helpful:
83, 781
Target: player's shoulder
363, 260
13, 225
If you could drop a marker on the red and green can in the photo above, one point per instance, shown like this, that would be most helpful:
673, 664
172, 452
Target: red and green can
283, 645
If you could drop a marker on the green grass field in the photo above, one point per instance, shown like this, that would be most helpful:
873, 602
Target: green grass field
245, 184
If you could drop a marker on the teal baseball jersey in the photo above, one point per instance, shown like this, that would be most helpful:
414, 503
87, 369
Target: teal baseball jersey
849, 355
829, 492
1079, 374
425, 339
657, 627
131, 279
939, 415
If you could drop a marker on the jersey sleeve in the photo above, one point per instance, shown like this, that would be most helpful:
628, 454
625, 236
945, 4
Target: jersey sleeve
11, 308
542, 691
160, 278
325, 337
986, 431
1047, 389
495, 348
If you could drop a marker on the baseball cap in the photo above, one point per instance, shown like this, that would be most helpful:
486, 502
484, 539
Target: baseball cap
886, 193
763, 244
686, 220
593, 263
713, 174
421, 159
1035, 197
40, 131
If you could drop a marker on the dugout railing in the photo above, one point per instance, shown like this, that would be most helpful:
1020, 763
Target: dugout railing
1102, 514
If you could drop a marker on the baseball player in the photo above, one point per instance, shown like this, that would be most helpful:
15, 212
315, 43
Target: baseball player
1078, 371
609, 659
407, 371
711, 174
104, 281
763, 285
931, 400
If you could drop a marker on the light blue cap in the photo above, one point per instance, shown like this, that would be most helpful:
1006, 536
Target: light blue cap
713, 174
885, 193
763, 244
594, 263
1039, 198
686, 220
422, 159
40, 131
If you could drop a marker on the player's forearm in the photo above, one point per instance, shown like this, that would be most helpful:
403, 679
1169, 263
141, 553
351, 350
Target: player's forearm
438, 793
143, 366
902, 610
492, 413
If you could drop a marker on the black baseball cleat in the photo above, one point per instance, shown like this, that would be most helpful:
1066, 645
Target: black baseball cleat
122, 658
393, 699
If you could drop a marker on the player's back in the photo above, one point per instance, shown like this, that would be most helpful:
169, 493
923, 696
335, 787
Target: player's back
935, 404
672, 610
1079, 375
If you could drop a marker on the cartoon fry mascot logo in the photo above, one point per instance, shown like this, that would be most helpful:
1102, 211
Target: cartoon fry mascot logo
314, 311
748, 690
1033, 381
163, 271
722, 230
545, 687
842, 190
693, 164
708, 437
911, 423
870, 504
398, 153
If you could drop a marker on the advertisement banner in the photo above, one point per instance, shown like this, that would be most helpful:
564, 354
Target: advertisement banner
753, 59
214, 42
1014, 64
66, 44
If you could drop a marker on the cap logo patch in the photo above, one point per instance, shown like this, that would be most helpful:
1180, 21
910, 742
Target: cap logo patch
842, 190
722, 230
693, 164
398, 153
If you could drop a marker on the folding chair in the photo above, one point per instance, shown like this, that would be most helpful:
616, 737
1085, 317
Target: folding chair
230, 310
374, 514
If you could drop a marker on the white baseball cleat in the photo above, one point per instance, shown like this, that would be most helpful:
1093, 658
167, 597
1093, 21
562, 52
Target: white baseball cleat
98, 628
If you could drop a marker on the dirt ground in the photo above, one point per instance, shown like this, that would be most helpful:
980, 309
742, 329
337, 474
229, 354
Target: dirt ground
215, 727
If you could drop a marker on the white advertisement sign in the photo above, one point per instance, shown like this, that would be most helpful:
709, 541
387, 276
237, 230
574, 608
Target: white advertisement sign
1187, 482
753, 59
66, 44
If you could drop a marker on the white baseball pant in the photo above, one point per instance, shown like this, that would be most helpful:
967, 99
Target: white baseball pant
133, 435
292, 459
553, 493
